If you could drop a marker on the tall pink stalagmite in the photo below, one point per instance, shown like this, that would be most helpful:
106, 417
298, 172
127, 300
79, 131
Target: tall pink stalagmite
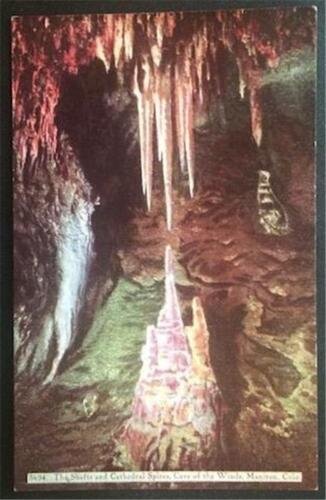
177, 411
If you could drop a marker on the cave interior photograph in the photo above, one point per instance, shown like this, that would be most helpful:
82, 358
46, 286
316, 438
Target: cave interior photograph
164, 243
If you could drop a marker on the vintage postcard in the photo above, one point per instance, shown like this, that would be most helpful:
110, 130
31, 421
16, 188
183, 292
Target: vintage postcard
164, 187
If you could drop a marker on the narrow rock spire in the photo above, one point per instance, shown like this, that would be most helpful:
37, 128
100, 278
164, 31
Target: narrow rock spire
177, 410
170, 313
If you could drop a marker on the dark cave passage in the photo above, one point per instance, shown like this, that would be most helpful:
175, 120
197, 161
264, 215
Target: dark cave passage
99, 119
248, 260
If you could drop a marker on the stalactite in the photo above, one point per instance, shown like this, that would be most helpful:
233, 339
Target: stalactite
158, 112
167, 144
148, 129
242, 83
201, 47
129, 36
207, 71
118, 39
256, 115
158, 37
159, 22
189, 124
149, 115
170, 23
156, 53
180, 115
141, 127
108, 35
199, 60
100, 53
88, 23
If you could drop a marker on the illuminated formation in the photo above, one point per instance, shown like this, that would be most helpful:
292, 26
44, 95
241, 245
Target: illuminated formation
173, 94
172, 62
272, 216
177, 410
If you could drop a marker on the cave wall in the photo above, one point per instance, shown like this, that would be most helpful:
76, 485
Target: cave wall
43, 207
68, 126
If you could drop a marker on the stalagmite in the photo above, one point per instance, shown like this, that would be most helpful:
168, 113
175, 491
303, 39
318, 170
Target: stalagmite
177, 411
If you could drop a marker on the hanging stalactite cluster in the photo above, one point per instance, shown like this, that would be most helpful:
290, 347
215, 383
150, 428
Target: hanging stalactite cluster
172, 62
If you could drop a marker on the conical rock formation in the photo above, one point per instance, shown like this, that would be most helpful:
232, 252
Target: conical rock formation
177, 410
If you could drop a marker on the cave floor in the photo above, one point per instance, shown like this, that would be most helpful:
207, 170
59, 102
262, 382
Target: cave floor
258, 294
67, 421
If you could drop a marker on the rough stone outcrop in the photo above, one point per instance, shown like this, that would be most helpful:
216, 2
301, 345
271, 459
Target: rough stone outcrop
52, 250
